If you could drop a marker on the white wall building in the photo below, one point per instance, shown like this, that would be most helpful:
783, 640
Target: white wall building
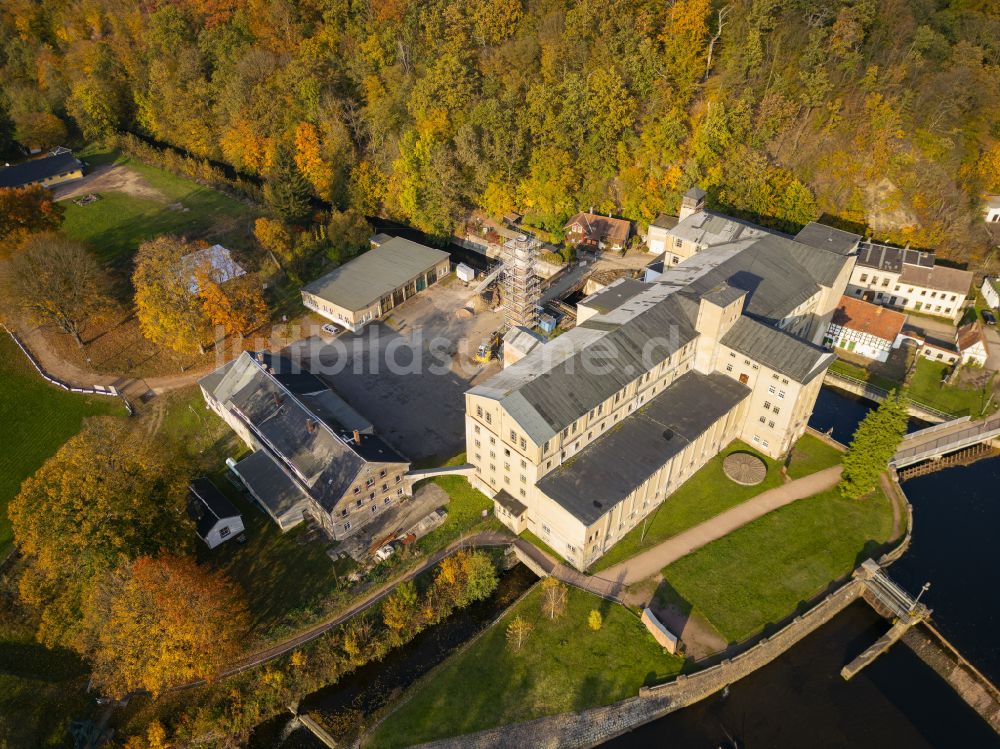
991, 291
865, 329
907, 279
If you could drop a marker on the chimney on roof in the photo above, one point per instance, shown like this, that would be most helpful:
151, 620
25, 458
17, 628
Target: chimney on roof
357, 437
310, 426
277, 398
260, 356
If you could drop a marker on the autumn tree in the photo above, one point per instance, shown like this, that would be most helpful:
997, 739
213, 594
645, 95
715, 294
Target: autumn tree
517, 632
7, 127
57, 281
161, 621
348, 233
24, 210
106, 497
274, 237
399, 610
875, 442
40, 130
310, 161
286, 190
169, 309
236, 305
553, 597
594, 620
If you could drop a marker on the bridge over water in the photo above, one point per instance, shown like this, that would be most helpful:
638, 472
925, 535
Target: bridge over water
938, 440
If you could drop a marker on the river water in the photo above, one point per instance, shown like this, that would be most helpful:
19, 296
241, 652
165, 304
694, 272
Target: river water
801, 700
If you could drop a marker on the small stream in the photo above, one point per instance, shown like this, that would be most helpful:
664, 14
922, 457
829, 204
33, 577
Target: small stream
374, 685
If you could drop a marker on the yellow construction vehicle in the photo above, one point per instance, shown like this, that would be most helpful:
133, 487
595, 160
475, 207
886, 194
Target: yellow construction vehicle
490, 349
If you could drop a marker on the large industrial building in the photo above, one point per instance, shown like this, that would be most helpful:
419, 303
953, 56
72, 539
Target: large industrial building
587, 434
370, 285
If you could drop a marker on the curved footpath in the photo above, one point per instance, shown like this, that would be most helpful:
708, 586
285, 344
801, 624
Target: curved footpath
609, 586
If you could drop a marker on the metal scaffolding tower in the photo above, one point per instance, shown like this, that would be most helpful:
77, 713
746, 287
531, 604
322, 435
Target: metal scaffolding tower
519, 284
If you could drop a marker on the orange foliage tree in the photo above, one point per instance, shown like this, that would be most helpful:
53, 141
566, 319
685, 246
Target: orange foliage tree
163, 621
25, 210
237, 305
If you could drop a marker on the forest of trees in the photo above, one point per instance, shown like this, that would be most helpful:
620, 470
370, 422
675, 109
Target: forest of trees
883, 113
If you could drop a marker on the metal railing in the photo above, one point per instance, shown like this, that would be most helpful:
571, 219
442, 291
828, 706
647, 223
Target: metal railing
880, 392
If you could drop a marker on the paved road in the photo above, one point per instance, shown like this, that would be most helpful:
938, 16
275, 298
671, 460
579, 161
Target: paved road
650, 562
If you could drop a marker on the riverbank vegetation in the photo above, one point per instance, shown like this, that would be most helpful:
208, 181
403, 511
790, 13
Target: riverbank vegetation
709, 492
562, 665
234, 707
765, 571
874, 443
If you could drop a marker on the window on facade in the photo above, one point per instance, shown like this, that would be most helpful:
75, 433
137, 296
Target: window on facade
360, 502
492, 467
756, 438
765, 444
489, 418
524, 463
767, 405
729, 367
864, 277
506, 466
381, 474
493, 440
347, 526
370, 482
374, 509
771, 424
371, 496
777, 410
763, 419
513, 436
398, 479
524, 479
385, 487
357, 490
476, 429
506, 452
479, 411
523, 443
523, 493
545, 528
781, 394
678, 243
399, 492
772, 388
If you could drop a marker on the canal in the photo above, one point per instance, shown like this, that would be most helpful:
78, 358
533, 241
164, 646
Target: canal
369, 688
801, 700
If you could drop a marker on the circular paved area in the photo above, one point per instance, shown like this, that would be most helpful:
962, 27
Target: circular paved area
744, 468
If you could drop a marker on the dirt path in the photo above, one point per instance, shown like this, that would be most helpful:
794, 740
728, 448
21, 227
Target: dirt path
111, 178
650, 562
71, 374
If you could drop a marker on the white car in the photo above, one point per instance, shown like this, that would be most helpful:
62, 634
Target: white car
331, 330
384, 553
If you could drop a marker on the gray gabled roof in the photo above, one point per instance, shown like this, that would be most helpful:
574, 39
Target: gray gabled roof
559, 381
774, 348
610, 468
323, 457
614, 295
829, 238
368, 277
207, 506
270, 484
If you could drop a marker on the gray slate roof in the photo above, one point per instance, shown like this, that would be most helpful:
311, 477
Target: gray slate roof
270, 484
829, 238
614, 295
774, 348
567, 377
368, 277
892, 259
610, 468
323, 457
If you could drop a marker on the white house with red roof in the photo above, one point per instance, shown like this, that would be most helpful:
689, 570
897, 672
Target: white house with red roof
865, 329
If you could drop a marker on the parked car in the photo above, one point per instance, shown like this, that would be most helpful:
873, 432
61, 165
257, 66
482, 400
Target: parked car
384, 553
331, 330
989, 318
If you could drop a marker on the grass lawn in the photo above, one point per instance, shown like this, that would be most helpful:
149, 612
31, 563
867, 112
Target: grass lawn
41, 690
764, 571
38, 418
701, 497
847, 369
115, 225
811, 454
563, 666
925, 387
287, 580
465, 511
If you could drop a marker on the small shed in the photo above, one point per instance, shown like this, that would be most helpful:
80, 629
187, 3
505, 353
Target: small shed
464, 272
215, 517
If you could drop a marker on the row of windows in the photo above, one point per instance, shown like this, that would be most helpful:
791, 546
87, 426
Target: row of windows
923, 292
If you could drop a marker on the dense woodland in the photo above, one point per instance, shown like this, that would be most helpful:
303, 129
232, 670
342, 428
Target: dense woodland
878, 113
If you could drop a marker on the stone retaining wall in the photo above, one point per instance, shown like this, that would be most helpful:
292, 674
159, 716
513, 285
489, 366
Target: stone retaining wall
965, 679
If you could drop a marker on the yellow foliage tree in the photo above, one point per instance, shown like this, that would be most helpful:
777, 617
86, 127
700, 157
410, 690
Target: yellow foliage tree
237, 306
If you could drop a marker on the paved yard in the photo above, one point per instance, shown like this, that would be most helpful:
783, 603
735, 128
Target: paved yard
408, 373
